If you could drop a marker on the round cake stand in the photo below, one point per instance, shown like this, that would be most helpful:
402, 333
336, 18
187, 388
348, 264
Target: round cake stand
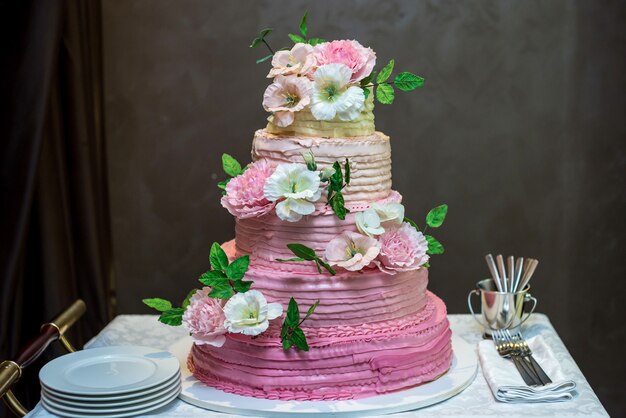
460, 375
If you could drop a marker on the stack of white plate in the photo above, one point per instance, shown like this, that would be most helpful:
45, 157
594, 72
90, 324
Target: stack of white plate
116, 381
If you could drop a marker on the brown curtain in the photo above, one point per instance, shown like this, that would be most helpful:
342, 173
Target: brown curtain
55, 244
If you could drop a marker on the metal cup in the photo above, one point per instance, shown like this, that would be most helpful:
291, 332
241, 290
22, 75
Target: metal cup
500, 310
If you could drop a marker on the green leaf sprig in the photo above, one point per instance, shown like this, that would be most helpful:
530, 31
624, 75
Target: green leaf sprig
304, 30
304, 253
231, 167
169, 314
385, 94
434, 219
225, 279
291, 335
261, 40
336, 182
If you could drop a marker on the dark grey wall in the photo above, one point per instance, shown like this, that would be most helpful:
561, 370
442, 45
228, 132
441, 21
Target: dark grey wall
520, 129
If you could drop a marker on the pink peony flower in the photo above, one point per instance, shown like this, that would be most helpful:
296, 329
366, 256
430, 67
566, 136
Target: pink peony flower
359, 59
402, 248
244, 193
352, 251
204, 318
299, 61
286, 95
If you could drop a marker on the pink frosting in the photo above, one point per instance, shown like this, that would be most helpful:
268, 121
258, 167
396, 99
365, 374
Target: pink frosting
403, 353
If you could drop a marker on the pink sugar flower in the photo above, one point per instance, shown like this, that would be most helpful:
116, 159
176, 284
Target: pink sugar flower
299, 61
402, 248
352, 251
244, 193
355, 56
286, 95
204, 319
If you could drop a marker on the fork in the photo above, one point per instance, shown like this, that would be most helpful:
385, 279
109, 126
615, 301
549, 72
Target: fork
527, 353
506, 350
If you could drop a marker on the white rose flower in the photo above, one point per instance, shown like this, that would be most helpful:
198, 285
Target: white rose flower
368, 223
333, 96
297, 186
391, 212
249, 313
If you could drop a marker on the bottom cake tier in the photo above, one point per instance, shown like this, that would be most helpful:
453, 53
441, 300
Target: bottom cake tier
346, 362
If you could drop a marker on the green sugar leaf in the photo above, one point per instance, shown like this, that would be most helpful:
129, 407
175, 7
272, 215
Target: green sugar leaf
436, 216
408, 81
296, 39
173, 317
367, 80
238, 268
326, 266
222, 184
231, 166
366, 92
159, 304
187, 298
242, 286
287, 260
434, 246
221, 291
287, 343
336, 180
218, 258
384, 74
256, 42
316, 41
260, 60
299, 339
385, 93
426, 265
303, 24
302, 251
412, 223
347, 170
293, 314
338, 205
212, 277
311, 309
265, 32
284, 330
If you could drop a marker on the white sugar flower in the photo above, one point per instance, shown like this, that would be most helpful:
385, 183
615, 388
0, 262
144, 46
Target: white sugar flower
249, 313
333, 96
352, 251
391, 212
297, 186
368, 223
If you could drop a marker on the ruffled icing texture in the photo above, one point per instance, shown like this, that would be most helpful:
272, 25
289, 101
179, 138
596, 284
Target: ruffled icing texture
370, 159
384, 357
305, 124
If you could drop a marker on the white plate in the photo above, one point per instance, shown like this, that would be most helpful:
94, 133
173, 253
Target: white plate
68, 414
109, 370
87, 409
115, 398
462, 372
96, 405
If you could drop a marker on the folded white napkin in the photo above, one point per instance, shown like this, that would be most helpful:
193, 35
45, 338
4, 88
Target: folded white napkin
508, 386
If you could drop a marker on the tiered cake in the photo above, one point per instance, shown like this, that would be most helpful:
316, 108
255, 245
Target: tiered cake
360, 320
372, 332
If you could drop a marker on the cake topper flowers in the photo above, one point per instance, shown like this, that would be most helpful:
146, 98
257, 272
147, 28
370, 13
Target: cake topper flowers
342, 73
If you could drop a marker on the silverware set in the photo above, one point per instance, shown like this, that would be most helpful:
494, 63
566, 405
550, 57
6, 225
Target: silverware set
513, 276
515, 348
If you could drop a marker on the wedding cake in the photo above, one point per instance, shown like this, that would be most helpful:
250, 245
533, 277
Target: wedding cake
322, 295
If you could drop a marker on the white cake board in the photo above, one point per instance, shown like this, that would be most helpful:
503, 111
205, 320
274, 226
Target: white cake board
460, 375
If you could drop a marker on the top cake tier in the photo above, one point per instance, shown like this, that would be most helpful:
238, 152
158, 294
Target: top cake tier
369, 156
305, 124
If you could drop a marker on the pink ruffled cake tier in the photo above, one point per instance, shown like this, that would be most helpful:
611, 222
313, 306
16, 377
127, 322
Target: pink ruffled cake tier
344, 362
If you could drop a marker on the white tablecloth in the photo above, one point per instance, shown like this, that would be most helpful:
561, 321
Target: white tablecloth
476, 400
